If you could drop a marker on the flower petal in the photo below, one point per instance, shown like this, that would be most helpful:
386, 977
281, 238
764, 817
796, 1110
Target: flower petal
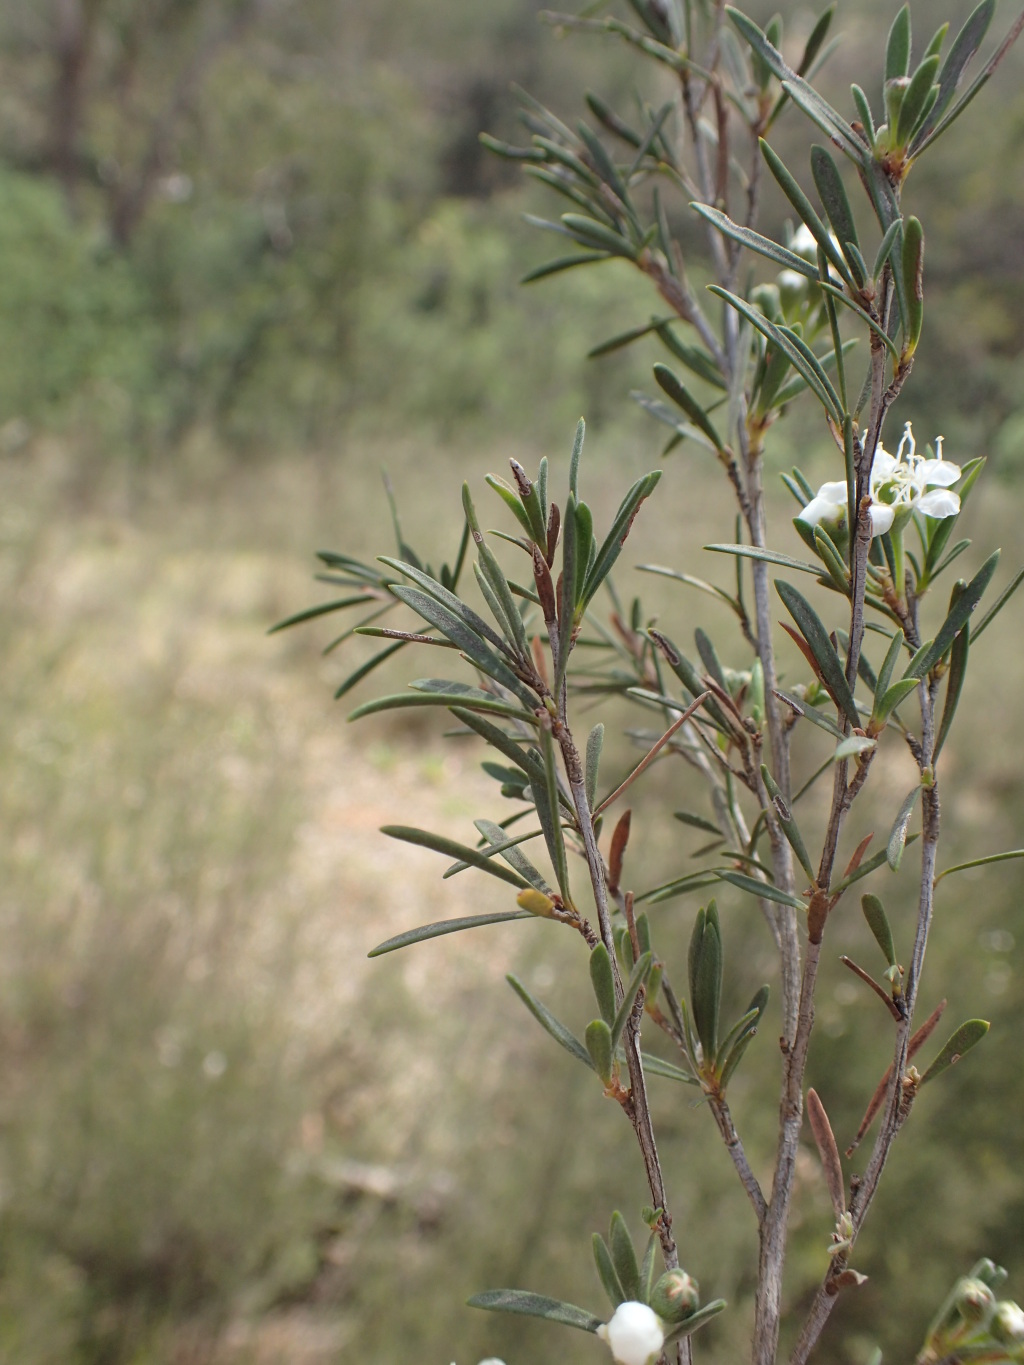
938, 503
882, 518
827, 505
936, 473
883, 465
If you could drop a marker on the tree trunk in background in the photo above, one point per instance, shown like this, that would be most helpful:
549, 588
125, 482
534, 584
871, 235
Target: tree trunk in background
74, 24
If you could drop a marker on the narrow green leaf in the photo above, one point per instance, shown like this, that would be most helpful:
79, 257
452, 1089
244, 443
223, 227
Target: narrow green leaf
954, 685
605, 114
682, 397
603, 163
692, 357
709, 658
693, 951
624, 1256
661, 412
967, 1036
638, 977
591, 233
840, 297
622, 339
541, 272
535, 1306
322, 609
897, 47
764, 246
697, 821
453, 606
739, 1030
830, 557
871, 865
586, 549
606, 1271
889, 663
977, 84
783, 339
613, 542
815, 39
679, 886
466, 639
804, 209
574, 459
917, 99
598, 1038
447, 926
959, 614
763, 890
501, 844
998, 604
595, 742
891, 698
507, 613
706, 990
699, 583
965, 45
358, 674
878, 923
798, 89
550, 1024
695, 1321
821, 647
655, 1066
546, 800
981, 862
767, 556
438, 843
603, 982
454, 693
864, 113
913, 282
833, 195
894, 230
498, 739
808, 712
789, 826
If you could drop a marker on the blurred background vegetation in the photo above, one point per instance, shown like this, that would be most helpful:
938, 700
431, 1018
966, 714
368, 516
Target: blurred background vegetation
251, 254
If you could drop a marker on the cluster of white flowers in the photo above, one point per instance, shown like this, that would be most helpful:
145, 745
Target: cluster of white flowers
906, 479
635, 1334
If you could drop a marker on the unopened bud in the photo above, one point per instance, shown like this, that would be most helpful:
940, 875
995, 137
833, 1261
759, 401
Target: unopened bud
536, 902
975, 1302
675, 1296
766, 298
634, 1333
1007, 1324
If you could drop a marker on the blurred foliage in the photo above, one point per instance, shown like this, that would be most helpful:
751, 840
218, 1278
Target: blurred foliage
327, 243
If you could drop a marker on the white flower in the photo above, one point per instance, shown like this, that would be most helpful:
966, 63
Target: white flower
828, 509
635, 1334
911, 480
905, 479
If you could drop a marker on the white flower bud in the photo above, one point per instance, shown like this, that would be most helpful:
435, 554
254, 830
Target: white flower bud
1008, 1324
634, 1333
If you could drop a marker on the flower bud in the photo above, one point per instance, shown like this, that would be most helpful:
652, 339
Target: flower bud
765, 297
1007, 1325
675, 1296
975, 1302
634, 1333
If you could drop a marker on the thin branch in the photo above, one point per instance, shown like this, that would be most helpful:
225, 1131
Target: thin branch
651, 754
